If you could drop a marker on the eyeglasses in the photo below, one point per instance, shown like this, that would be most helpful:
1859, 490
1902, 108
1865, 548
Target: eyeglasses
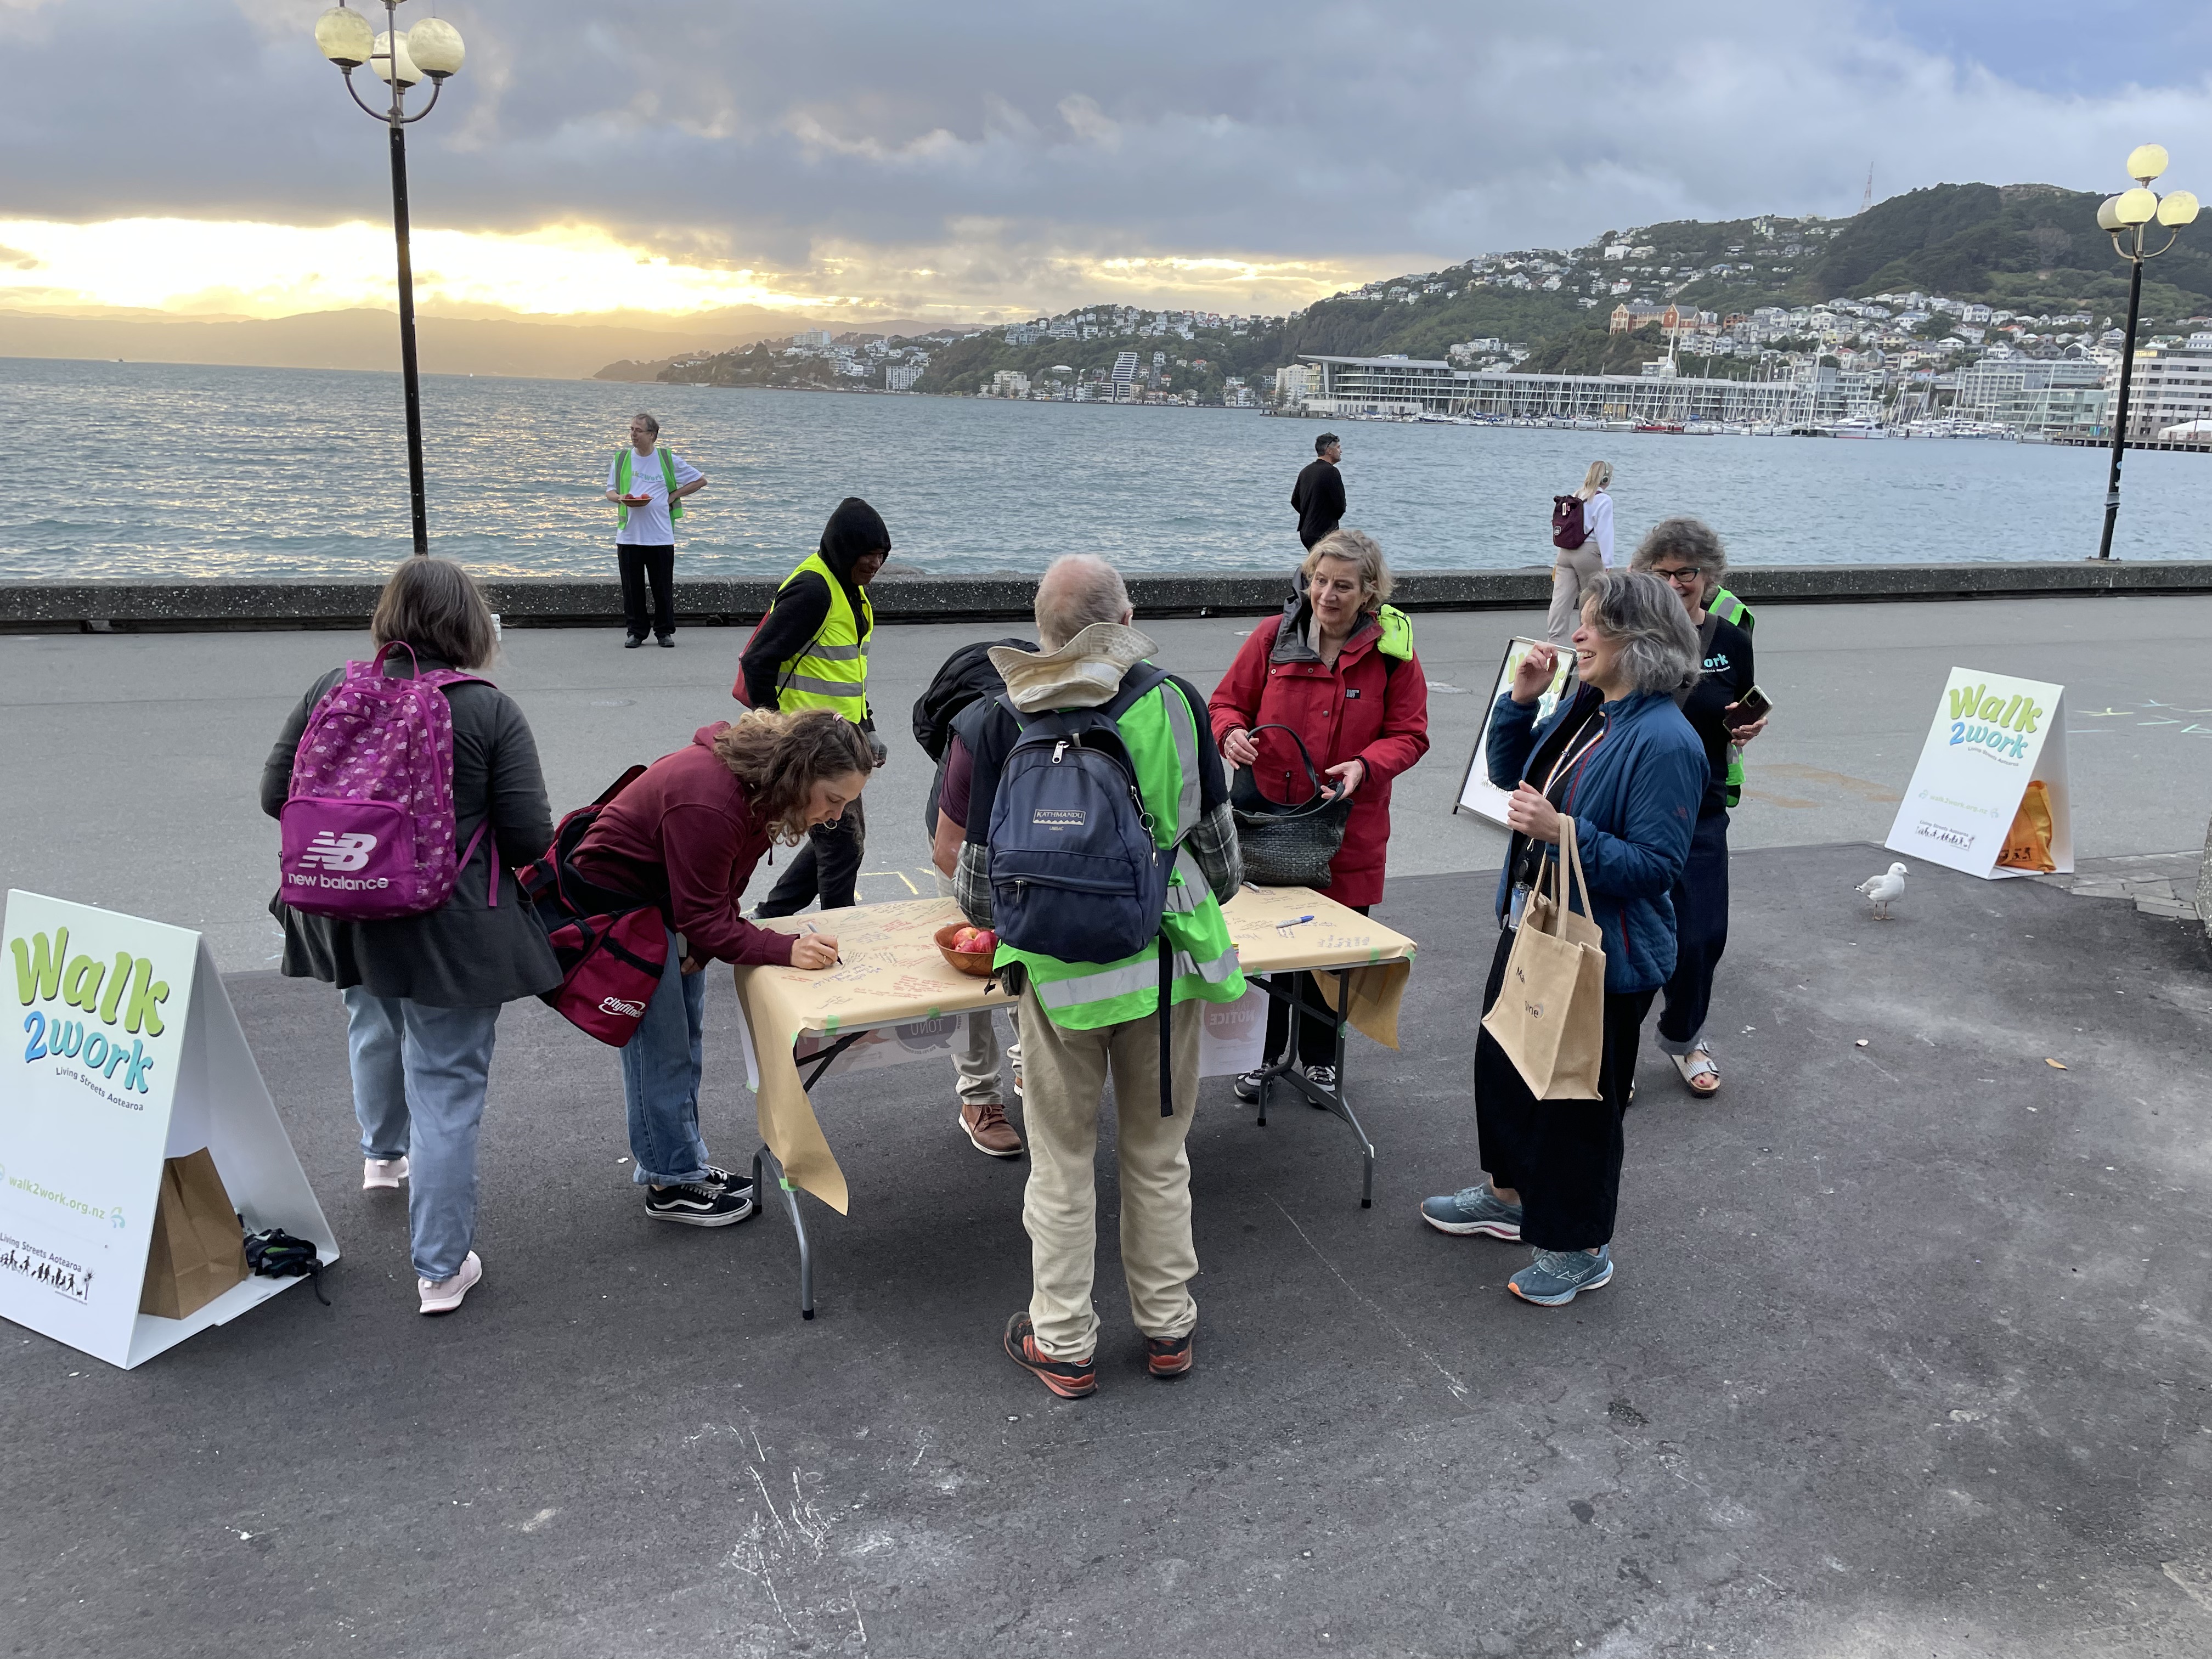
1680, 577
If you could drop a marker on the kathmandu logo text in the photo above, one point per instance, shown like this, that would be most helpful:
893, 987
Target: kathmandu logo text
335, 852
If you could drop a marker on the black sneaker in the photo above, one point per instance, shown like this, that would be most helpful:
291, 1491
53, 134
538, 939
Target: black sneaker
730, 1183
665, 642
1246, 1086
699, 1204
632, 641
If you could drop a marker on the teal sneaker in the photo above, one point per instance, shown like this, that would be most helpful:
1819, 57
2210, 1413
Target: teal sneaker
1474, 1210
1558, 1277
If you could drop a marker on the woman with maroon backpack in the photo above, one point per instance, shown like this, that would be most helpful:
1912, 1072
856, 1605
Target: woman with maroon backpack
684, 837
422, 975
1581, 530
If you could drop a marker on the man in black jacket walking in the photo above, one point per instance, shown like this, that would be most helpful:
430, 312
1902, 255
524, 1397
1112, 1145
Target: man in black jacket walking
1318, 496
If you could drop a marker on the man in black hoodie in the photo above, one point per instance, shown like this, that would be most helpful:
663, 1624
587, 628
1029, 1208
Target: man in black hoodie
803, 655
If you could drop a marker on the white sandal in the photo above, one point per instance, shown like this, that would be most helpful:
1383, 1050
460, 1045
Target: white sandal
1696, 1068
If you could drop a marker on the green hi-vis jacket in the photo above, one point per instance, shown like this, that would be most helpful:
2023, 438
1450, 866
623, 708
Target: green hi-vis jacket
1729, 608
622, 483
832, 671
1160, 731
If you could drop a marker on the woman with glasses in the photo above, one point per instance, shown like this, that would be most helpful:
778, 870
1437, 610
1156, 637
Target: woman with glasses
1687, 555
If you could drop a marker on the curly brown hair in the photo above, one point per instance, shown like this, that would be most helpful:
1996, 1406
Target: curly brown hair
780, 757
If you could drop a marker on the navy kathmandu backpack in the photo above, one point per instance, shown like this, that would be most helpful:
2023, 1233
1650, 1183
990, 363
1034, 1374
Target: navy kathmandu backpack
1075, 872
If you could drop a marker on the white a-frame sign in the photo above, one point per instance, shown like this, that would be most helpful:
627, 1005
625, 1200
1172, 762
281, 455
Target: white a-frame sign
125, 1051
1992, 736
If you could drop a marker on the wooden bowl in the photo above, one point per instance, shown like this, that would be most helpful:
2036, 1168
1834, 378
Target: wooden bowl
976, 964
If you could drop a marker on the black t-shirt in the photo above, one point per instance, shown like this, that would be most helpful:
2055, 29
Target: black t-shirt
1728, 675
998, 733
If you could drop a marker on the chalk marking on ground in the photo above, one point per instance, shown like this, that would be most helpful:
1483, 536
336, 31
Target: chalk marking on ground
1459, 1389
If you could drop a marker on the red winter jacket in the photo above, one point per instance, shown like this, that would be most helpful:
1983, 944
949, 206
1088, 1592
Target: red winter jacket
1368, 708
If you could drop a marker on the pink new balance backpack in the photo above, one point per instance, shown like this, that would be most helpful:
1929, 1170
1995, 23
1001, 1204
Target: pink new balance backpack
368, 828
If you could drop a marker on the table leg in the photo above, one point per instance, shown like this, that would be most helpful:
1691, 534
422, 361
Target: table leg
764, 1161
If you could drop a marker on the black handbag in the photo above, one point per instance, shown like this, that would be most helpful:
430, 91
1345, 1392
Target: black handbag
1287, 845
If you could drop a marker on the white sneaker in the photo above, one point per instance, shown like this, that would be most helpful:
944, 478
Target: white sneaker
383, 1174
444, 1295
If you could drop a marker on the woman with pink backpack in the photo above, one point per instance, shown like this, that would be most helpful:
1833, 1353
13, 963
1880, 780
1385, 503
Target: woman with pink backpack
409, 792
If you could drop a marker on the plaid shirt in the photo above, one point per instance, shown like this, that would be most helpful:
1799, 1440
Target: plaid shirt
1213, 846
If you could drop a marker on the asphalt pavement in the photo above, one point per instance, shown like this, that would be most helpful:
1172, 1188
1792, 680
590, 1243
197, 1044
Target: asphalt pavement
1908, 1351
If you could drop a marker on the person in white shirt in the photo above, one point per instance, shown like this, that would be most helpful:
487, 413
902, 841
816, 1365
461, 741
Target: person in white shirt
643, 481
1575, 567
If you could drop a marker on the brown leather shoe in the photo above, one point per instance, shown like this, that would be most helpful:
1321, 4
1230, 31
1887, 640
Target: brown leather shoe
986, 1127
1168, 1356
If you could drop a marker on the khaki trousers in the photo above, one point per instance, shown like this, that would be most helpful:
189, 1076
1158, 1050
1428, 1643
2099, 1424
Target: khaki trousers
1064, 1075
1571, 576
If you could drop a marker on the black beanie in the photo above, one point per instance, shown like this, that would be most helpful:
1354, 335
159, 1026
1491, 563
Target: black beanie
855, 529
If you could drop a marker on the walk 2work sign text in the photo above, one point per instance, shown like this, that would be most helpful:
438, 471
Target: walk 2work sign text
1991, 737
124, 1050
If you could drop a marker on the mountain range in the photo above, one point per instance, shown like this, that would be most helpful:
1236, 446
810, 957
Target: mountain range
488, 342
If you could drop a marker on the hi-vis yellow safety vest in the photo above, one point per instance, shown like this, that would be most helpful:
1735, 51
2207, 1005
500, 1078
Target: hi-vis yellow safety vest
1160, 731
622, 483
832, 671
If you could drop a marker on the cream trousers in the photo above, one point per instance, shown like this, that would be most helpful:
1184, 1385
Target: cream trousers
1570, 579
1064, 1077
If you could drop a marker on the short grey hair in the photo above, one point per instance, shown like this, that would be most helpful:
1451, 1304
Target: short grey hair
1659, 648
650, 425
1692, 541
1078, 590
1353, 547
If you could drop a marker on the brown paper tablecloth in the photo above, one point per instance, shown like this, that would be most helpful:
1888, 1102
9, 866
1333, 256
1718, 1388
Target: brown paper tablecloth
890, 973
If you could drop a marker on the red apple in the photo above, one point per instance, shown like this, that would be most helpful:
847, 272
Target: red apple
986, 940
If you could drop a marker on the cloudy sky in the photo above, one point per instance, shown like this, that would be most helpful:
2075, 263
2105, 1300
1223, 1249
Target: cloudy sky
971, 158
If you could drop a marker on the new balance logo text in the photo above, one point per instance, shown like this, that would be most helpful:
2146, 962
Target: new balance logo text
334, 851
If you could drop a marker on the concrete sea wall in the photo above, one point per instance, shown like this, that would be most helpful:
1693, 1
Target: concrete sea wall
548, 602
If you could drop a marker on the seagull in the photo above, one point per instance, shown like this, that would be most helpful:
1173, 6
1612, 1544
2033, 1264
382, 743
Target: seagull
1883, 890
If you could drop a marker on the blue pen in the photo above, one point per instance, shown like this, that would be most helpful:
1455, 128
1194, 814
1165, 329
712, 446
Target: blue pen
1293, 922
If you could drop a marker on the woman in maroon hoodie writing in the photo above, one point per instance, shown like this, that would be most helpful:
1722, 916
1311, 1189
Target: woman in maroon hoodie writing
685, 836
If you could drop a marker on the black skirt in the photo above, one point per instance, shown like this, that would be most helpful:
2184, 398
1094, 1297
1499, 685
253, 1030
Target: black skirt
1563, 1155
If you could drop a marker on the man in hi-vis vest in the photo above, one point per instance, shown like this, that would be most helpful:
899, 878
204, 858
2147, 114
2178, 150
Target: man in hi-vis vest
810, 651
648, 482
1080, 1020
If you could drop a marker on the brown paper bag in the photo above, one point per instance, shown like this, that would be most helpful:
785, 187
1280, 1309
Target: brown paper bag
2028, 844
199, 1250
1549, 1016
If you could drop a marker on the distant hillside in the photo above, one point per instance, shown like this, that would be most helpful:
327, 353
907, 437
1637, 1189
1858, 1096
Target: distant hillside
365, 339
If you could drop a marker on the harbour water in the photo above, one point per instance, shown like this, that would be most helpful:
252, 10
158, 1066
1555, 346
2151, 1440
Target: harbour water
163, 471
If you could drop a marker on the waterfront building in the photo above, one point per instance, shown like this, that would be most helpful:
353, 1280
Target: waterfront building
1125, 370
1407, 385
901, 377
2170, 388
2037, 398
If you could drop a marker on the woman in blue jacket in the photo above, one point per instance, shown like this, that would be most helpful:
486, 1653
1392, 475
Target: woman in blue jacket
1620, 759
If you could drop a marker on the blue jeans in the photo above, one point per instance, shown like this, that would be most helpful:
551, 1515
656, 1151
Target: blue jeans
660, 1068
418, 1089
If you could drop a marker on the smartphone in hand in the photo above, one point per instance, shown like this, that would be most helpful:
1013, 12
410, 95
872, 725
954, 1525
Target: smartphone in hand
1753, 705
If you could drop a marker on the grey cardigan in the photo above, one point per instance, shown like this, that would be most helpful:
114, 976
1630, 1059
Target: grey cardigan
467, 953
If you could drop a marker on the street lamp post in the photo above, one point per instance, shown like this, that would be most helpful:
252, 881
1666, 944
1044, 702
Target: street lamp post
2128, 216
432, 47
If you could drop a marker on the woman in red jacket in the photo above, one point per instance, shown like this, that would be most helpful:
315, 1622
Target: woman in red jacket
1341, 674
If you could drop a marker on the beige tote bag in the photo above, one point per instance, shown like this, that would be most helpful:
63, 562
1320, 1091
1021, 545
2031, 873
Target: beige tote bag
1549, 1016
